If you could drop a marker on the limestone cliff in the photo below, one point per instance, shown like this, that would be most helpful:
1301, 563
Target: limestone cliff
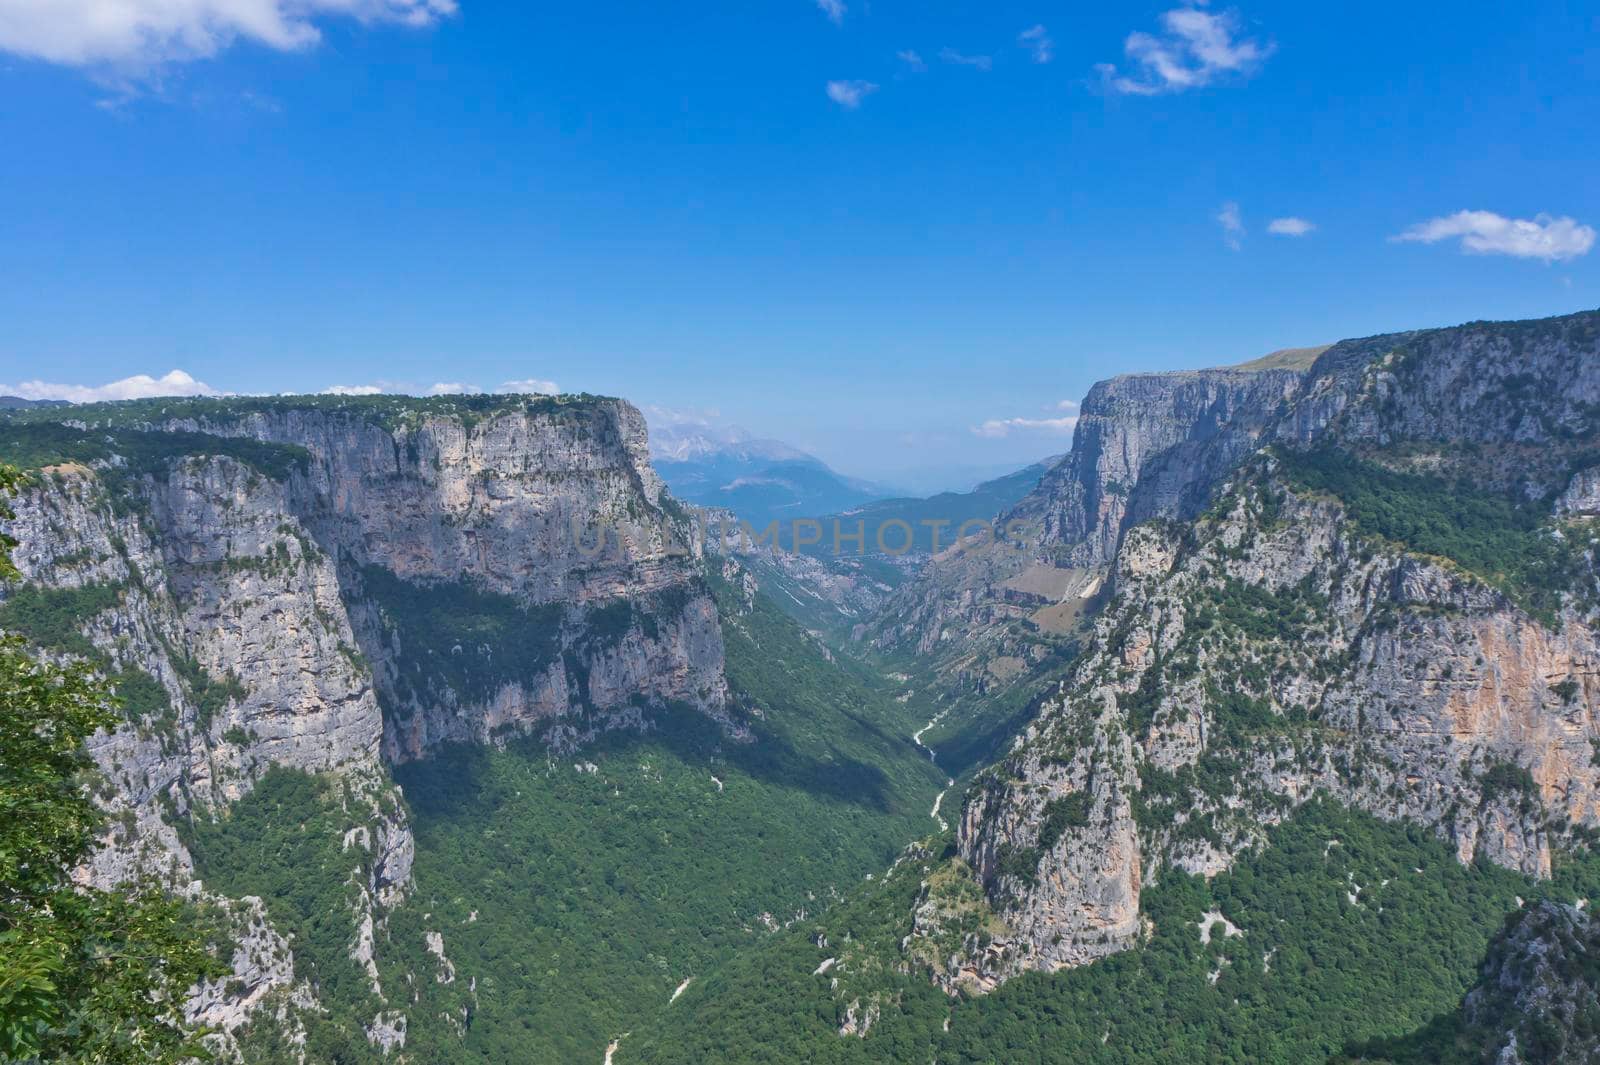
987, 617
221, 625
328, 585
1385, 609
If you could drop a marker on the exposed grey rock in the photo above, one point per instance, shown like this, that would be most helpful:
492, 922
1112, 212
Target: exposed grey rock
1582, 495
1427, 693
1151, 446
1536, 999
246, 581
1145, 446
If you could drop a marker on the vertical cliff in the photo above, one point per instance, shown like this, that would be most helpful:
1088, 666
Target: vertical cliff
988, 620
323, 586
1393, 607
220, 624
1150, 446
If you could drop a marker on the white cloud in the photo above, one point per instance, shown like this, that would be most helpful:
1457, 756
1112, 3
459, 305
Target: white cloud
912, 60
1290, 227
658, 415
138, 35
1067, 404
530, 385
139, 386
834, 9
1194, 49
1038, 40
996, 428
849, 94
1486, 233
977, 62
1232, 225
533, 385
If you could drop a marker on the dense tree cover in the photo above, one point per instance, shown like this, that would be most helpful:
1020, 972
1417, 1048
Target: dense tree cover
52, 618
574, 894
1352, 929
390, 411
85, 975
1503, 540
37, 445
1538, 990
455, 636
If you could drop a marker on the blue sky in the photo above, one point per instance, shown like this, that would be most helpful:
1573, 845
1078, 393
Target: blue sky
764, 213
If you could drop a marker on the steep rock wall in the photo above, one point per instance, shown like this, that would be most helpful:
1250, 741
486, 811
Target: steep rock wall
1275, 648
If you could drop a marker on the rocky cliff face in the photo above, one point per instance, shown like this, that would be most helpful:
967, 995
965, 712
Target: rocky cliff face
1537, 997
545, 513
327, 586
1146, 446
221, 626
1289, 642
1150, 446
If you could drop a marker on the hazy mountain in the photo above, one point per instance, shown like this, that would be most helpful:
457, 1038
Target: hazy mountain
18, 403
983, 503
759, 480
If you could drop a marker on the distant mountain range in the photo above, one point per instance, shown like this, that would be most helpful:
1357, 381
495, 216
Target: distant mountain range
983, 503
18, 403
764, 480
759, 480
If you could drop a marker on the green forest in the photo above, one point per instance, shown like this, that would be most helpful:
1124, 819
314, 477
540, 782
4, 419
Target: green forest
1352, 929
1503, 540
575, 893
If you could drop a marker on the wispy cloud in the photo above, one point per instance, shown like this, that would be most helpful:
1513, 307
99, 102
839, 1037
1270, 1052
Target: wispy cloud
849, 94
1193, 49
1290, 227
139, 386
1037, 40
693, 416
529, 385
997, 428
532, 385
680, 433
834, 9
912, 60
134, 37
976, 62
1486, 233
1232, 223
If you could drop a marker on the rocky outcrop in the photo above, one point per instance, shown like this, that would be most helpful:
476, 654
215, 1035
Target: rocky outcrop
261, 977
1150, 446
327, 587
1536, 999
516, 503
1273, 648
1514, 401
1517, 397
513, 497
1145, 446
221, 624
